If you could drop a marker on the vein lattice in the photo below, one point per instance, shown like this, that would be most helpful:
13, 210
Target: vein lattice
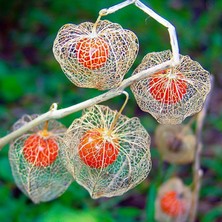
95, 57
35, 161
107, 159
172, 94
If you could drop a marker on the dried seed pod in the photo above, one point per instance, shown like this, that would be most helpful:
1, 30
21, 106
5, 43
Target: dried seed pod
176, 143
107, 159
172, 94
36, 163
95, 55
173, 201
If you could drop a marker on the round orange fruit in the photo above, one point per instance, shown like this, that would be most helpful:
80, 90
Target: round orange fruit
92, 53
39, 150
96, 150
168, 89
172, 204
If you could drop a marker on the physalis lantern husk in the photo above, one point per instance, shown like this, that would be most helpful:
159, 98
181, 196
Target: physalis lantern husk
95, 55
36, 161
173, 201
172, 94
107, 159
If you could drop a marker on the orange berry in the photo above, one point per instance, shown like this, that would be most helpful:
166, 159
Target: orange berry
172, 204
92, 53
97, 151
167, 88
40, 151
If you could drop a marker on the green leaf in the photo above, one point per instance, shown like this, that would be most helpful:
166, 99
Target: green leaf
150, 203
213, 215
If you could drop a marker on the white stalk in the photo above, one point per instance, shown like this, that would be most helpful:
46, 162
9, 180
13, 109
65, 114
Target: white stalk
56, 114
164, 22
53, 113
154, 15
115, 8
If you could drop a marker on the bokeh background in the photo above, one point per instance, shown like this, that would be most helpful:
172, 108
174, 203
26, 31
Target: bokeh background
31, 80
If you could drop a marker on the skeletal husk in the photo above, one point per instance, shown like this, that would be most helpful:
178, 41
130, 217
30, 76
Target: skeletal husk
121, 48
132, 165
176, 143
188, 76
39, 183
176, 185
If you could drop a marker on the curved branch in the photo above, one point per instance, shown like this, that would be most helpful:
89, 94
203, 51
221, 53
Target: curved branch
56, 114
53, 113
154, 15
164, 22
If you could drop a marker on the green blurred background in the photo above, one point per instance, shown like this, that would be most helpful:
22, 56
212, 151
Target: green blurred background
31, 80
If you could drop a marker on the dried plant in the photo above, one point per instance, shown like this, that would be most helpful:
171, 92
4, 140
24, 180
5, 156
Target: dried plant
36, 163
173, 201
174, 93
106, 152
107, 156
95, 55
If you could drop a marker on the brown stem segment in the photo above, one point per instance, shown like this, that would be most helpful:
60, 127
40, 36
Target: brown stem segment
45, 131
46, 125
197, 172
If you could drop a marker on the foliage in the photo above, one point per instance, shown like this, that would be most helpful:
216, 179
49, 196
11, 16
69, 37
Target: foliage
31, 80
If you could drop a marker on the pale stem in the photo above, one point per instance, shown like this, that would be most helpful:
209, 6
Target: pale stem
56, 114
171, 30
53, 113
116, 7
197, 171
95, 25
154, 15
118, 113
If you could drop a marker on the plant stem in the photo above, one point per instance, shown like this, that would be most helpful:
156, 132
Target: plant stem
56, 114
53, 113
197, 172
118, 113
154, 15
